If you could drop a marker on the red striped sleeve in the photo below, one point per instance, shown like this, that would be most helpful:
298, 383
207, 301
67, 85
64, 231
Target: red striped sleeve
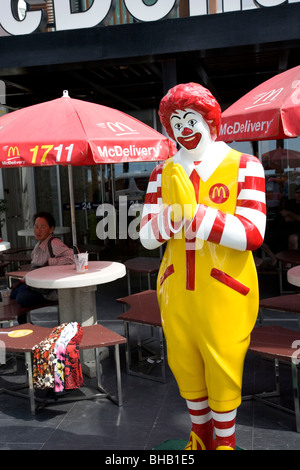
217, 228
145, 220
154, 194
156, 231
193, 228
254, 238
259, 206
254, 182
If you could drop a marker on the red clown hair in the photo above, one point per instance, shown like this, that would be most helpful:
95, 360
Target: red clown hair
190, 96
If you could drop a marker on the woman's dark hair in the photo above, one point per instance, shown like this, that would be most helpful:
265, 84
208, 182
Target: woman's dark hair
47, 216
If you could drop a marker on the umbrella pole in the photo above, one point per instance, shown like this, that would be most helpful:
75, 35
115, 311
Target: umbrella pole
72, 205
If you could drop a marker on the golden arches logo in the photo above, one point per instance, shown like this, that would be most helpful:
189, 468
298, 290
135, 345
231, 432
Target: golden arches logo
219, 193
14, 151
195, 443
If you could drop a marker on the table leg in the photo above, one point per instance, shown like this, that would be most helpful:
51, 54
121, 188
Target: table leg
78, 304
28, 362
118, 372
128, 281
128, 351
162, 353
296, 394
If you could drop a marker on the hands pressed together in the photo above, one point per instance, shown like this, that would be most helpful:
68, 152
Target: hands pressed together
182, 195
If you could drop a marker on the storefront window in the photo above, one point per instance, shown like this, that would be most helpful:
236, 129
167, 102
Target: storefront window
281, 161
97, 184
87, 197
48, 191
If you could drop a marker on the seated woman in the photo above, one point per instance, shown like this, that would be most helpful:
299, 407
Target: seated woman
49, 251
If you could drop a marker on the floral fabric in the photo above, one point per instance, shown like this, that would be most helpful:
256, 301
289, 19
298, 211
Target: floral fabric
60, 352
57, 357
73, 372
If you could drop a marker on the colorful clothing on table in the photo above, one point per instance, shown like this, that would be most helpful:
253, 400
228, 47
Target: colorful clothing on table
73, 371
57, 357
60, 353
43, 359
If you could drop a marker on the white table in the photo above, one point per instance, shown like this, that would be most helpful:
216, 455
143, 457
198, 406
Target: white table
293, 276
77, 292
4, 246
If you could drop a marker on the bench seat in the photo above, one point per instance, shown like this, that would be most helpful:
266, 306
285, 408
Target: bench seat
11, 311
289, 303
281, 345
94, 337
143, 310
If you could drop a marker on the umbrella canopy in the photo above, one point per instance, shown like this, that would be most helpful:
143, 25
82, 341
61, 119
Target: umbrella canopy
279, 159
269, 111
66, 131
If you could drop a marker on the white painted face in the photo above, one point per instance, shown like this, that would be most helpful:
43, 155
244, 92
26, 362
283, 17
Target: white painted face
190, 130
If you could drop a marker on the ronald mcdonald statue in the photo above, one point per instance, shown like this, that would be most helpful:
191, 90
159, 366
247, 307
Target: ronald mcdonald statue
208, 203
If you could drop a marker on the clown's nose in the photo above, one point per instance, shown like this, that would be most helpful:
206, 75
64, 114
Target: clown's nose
186, 131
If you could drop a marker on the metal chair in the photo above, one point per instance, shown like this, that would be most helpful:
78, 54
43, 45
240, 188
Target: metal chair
144, 311
281, 345
142, 265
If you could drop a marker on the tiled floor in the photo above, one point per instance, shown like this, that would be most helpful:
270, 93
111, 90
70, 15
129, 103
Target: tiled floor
152, 412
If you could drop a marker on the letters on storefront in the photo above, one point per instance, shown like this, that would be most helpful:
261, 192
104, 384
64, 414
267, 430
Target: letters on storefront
99, 13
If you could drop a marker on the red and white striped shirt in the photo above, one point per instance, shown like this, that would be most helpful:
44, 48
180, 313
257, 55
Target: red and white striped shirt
243, 230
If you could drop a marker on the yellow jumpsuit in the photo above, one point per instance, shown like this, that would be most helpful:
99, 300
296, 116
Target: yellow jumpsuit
207, 327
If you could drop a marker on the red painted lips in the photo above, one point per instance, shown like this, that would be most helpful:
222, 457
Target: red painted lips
190, 142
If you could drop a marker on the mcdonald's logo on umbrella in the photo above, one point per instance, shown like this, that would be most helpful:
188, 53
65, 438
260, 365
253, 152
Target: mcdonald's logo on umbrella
13, 151
219, 193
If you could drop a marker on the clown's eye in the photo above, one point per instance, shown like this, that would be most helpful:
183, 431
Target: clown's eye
192, 122
178, 126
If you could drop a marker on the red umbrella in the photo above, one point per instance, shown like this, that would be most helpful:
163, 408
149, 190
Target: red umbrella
66, 130
279, 159
269, 111
70, 132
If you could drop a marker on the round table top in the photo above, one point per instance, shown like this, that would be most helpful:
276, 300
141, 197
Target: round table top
4, 246
28, 232
64, 277
289, 256
293, 276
